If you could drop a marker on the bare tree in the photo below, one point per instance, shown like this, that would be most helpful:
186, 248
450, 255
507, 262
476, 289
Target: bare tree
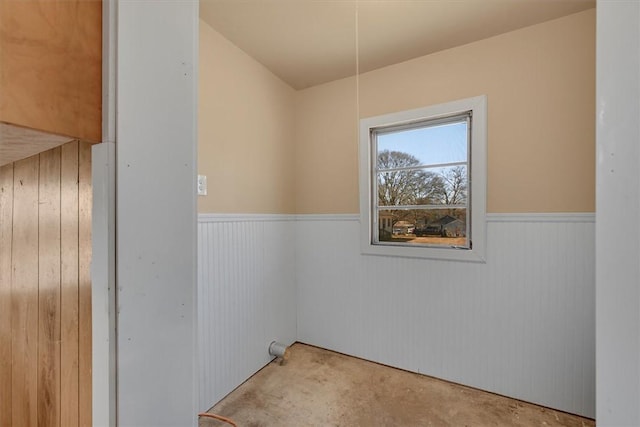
402, 183
454, 190
404, 187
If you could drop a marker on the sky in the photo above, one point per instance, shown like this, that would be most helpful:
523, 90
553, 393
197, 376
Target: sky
445, 143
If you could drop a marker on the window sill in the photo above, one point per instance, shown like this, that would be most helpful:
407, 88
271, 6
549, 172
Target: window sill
444, 254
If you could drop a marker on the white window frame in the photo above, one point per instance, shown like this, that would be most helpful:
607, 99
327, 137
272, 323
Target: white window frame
477, 180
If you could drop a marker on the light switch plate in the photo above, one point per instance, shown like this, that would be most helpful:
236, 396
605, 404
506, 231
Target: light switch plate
202, 185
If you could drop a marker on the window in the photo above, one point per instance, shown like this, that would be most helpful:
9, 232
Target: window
422, 182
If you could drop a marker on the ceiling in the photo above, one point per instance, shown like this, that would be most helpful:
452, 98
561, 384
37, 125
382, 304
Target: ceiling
309, 42
17, 143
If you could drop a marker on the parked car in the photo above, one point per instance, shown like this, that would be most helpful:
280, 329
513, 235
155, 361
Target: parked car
427, 231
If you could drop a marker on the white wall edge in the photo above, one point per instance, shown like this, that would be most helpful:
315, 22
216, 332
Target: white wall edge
103, 298
617, 233
156, 106
103, 274
556, 217
195, 55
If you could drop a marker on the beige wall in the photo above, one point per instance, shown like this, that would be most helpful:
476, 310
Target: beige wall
246, 145
268, 149
540, 83
327, 148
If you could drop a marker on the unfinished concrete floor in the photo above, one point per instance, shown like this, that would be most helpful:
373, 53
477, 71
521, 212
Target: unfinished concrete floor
316, 387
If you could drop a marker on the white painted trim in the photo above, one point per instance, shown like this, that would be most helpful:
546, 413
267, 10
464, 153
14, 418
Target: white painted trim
542, 217
109, 53
243, 217
195, 56
328, 217
477, 179
103, 269
103, 288
557, 217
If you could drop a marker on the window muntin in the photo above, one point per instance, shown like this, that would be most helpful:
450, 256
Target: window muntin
458, 216
421, 183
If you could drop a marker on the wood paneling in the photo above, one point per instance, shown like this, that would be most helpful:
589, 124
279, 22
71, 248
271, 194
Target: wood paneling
84, 282
45, 287
51, 66
69, 413
24, 293
6, 231
49, 289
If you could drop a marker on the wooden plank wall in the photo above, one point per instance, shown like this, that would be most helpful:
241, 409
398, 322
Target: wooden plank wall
45, 289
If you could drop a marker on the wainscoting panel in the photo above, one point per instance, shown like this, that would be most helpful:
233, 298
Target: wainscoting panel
246, 297
521, 325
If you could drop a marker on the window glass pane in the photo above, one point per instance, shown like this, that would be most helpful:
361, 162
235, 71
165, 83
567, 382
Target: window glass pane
450, 185
413, 187
429, 227
425, 186
428, 145
418, 184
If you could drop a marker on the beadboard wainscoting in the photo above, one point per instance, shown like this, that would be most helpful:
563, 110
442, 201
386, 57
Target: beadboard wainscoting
521, 325
246, 297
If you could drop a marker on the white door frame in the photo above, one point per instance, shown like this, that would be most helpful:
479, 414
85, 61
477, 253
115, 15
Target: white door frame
103, 267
